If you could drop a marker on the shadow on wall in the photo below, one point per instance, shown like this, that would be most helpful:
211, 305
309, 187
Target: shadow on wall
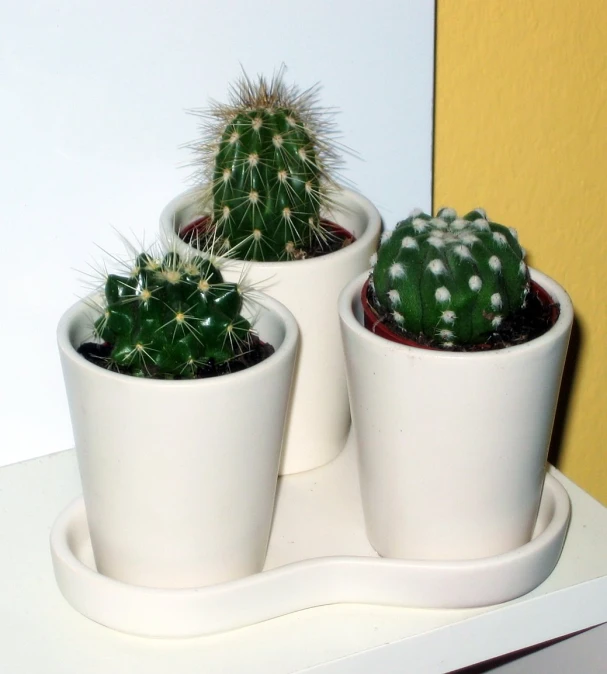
567, 387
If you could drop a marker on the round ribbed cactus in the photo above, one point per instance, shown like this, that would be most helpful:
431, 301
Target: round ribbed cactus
266, 164
168, 317
453, 280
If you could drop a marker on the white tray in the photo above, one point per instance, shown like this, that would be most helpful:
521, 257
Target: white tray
318, 555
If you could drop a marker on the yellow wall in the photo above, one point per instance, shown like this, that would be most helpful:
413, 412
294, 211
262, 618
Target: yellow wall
521, 129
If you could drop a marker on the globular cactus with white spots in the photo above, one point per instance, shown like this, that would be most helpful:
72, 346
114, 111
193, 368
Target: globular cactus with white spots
453, 280
167, 317
267, 160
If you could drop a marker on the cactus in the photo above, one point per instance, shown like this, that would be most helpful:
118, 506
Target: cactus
267, 161
453, 280
169, 316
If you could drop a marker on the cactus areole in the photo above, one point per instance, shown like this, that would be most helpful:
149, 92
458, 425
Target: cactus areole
266, 171
170, 318
457, 283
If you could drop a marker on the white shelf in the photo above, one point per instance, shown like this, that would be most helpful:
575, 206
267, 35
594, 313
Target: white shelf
42, 633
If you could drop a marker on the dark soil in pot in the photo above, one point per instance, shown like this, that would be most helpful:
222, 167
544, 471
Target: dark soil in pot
195, 234
535, 319
254, 353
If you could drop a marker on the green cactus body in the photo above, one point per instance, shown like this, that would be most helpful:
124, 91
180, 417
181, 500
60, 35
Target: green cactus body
453, 280
169, 316
266, 163
266, 184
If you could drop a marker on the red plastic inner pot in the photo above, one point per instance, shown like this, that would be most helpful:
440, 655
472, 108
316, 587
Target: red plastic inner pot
374, 322
199, 226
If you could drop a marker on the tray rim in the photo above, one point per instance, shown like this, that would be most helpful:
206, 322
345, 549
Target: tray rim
309, 582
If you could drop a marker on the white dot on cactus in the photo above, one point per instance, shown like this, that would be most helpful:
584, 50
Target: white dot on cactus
373, 260
172, 276
442, 294
522, 268
475, 283
286, 213
408, 242
448, 317
462, 252
447, 213
179, 317
523, 251
233, 138
396, 271
290, 247
468, 239
495, 263
253, 197
496, 301
420, 225
398, 318
302, 153
225, 212
257, 234
145, 295
290, 120
277, 140
253, 159
257, 123
394, 297
500, 239
438, 233
513, 232
308, 187
459, 224
436, 267
227, 174
481, 224
496, 321
438, 223
445, 334
415, 212
139, 346
447, 345
436, 242
386, 236
203, 285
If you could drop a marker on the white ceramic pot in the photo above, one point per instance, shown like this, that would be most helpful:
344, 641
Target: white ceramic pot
452, 446
319, 417
179, 477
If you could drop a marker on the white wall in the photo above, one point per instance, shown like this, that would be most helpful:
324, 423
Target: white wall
92, 100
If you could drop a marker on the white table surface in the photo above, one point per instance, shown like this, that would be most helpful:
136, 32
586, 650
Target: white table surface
40, 632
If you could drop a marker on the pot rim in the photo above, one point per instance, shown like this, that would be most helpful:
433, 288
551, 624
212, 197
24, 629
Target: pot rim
268, 304
346, 199
351, 293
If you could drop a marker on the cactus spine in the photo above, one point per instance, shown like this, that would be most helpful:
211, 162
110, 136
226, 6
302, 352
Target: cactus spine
267, 160
169, 316
453, 280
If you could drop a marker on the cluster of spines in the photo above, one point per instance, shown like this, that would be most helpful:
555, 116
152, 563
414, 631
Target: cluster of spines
453, 280
167, 317
267, 164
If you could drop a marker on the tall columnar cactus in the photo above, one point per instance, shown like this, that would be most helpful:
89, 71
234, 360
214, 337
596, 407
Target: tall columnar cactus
451, 279
169, 316
267, 159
